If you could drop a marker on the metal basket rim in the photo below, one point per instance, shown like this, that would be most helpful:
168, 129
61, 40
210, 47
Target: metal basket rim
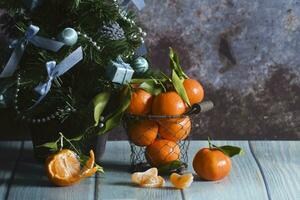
194, 110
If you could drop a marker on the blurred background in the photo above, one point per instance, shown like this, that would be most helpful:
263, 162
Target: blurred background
245, 53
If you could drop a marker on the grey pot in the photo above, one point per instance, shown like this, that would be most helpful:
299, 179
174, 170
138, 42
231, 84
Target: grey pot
48, 132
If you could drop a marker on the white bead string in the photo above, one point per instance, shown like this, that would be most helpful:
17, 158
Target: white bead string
90, 40
57, 113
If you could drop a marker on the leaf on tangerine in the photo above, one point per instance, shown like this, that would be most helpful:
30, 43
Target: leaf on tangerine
178, 85
230, 150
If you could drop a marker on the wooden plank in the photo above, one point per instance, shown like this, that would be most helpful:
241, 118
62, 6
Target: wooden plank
30, 182
280, 164
116, 182
8, 157
244, 182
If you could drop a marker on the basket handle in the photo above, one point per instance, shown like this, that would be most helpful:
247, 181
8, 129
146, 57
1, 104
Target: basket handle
200, 107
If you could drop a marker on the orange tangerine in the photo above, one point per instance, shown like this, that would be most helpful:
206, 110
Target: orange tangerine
211, 164
143, 133
162, 152
141, 102
194, 90
168, 103
175, 129
63, 168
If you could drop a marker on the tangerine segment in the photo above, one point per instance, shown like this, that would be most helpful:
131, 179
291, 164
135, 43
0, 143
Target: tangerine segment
162, 152
168, 103
175, 129
154, 182
194, 90
181, 181
141, 102
140, 177
143, 133
63, 168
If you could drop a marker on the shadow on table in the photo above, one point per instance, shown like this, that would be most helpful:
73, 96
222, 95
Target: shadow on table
129, 184
31, 182
114, 166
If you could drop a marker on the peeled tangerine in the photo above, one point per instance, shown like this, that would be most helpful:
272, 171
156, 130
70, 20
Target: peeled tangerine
181, 181
148, 178
63, 168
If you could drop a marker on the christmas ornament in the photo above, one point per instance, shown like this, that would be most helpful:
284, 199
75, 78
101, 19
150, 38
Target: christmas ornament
119, 72
140, 65
32, 4
55, 71
20, 45
68, 36
113, 31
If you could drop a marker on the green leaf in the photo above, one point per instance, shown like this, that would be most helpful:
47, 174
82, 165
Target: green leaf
100, 101
230, 150
178, 85
76, 139
115, 119
51, 145
151, 87
84, 158
170, 167
175, 65
138, 80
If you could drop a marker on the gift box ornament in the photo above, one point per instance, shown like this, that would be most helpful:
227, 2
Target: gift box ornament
119, 72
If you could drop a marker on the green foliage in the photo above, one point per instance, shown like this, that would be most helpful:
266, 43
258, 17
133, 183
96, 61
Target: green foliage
63, 142
230, 150
175, 65
100, 102
115, 118
153, 86
178, 85
227, 149
80, 85
173, 166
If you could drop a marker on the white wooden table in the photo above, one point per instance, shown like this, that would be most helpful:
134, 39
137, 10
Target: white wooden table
269, 170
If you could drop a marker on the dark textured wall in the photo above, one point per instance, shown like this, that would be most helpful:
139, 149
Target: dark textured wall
245, 53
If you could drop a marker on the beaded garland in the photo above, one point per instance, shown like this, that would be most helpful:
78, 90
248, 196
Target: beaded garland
54, 115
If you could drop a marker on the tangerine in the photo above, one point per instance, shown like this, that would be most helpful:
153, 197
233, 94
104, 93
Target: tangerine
63, 168
211, 164
141, 102
175, 129
168, 103
143, 133
162, 152
194, 90
181, 181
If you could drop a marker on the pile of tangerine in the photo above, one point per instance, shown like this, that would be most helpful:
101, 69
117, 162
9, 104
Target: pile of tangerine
161, 137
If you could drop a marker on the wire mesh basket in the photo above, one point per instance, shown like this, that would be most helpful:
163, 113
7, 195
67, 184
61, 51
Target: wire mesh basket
161, 141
